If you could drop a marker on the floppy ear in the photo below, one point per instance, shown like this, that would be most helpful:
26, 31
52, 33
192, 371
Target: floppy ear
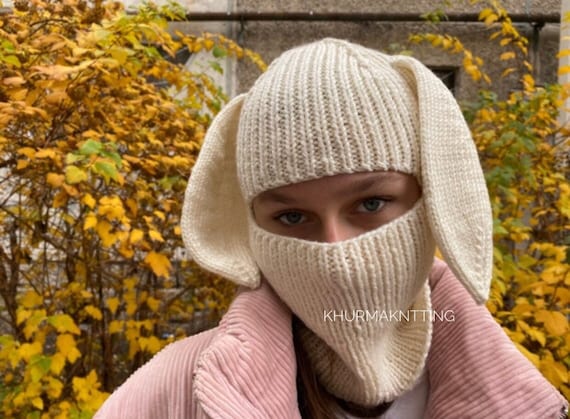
214, 215
453, 185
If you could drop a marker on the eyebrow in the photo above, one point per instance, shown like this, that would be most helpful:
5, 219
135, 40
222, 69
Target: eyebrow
356, 187
277, 197
365, 184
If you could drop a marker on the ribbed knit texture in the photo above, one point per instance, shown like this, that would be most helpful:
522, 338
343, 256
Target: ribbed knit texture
323, 109
332, 107
474, 370
383, 271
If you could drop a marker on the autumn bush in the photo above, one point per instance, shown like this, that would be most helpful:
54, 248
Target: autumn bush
524, 151
94, 160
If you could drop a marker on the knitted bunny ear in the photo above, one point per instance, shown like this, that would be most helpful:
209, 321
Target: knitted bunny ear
453, 185
214, 215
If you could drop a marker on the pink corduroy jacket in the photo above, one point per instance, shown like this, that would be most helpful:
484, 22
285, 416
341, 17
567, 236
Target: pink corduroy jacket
245, 367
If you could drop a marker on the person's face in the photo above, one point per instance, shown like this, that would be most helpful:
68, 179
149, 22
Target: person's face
336, 208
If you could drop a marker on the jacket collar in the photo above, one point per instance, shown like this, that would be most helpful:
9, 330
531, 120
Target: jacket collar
474, 370
249, 370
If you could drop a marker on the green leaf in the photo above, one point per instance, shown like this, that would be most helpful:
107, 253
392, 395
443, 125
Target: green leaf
12, 59
90, 147
113, 155
39, 366
106, 169
219, 52
216, 67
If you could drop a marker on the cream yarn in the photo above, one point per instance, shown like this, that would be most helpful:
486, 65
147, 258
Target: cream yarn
381, 274
436, 144
324, 109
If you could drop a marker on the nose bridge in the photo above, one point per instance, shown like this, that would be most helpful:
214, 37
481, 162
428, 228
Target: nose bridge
333, 229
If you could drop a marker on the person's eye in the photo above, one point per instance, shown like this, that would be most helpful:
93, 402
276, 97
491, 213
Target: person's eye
371, 205
291, 218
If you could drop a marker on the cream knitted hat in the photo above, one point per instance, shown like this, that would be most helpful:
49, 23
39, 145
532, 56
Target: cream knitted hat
334, 107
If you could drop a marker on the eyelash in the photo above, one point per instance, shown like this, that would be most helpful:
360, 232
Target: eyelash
280, 217
382, 203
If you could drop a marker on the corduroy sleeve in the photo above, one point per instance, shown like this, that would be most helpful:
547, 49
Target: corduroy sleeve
162, 388
475, 371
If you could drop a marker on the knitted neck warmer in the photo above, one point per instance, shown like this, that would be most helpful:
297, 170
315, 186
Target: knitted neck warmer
381, 273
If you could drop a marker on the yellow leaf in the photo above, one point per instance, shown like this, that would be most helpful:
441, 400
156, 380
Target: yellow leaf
151, 344
28, 152
60, 199
74, 174
126, 250
491, 18
553, 274
507, 71
111, 207
130, 283
46, 153
507, 56
104, 231
38, 403
83, 387
57, 363
54, 387
113, 303
485, 12
554, 322
116, 326
64, 323
159, 264
132, 205
153, 304
31, 299
160, 215
90, 221
56, 98
94, 312
28, 350
555, 372
22, 315
64, 343
136, 235
88, 200
22, 164
55, 179
537, 335
155, 235
565, 69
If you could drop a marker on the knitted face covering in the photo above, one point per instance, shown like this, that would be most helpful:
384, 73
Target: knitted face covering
352, 295
329, 108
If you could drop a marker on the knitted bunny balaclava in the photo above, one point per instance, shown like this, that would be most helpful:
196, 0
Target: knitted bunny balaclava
333, 108
329, 108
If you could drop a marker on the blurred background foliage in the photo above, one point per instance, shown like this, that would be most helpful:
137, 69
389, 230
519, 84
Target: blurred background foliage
524, 151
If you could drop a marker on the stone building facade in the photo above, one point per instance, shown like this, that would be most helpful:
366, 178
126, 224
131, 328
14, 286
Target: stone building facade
272, 26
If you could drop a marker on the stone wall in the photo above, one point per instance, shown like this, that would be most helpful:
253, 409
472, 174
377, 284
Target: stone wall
270, 38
